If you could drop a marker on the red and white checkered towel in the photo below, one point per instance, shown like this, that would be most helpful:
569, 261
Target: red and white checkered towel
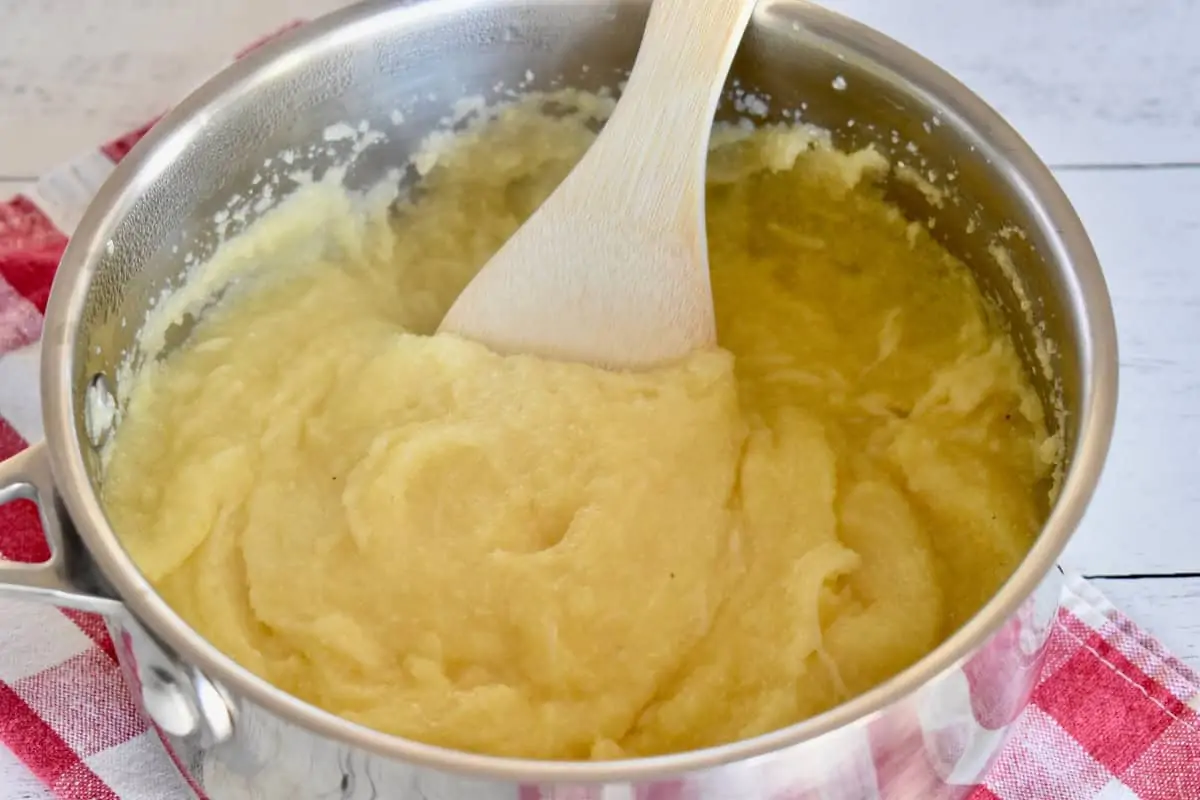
1114, 718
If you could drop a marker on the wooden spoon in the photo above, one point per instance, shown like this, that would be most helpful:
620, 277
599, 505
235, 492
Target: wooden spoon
612, 270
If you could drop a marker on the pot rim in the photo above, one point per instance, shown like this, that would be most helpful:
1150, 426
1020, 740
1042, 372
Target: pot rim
1008, 152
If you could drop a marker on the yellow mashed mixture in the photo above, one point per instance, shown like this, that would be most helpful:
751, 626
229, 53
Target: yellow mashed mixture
519, 557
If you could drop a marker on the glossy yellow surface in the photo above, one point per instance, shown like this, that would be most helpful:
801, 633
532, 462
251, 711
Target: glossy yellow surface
520, 557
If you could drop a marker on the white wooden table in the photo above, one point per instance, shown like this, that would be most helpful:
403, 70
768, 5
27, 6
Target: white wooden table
1108, 91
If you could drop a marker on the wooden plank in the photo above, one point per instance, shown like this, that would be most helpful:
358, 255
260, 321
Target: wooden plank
1146, 229
74, 74
1168, 608
9, 187
1085, 81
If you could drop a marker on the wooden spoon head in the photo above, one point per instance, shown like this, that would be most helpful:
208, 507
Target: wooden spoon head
612, 270
575, 285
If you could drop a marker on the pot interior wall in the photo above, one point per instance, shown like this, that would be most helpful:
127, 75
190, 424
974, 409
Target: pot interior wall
421, 58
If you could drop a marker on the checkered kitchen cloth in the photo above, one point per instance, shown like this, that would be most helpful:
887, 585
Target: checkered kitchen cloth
1114, 718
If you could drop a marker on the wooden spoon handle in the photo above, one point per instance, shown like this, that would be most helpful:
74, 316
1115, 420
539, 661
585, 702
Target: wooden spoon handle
690, 44
688, 48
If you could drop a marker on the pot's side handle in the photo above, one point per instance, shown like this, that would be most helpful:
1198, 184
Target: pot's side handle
179, 698
27, 476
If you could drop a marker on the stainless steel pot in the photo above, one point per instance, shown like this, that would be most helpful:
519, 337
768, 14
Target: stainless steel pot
926, 733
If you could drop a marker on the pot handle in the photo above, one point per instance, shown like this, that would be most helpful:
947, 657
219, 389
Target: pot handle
181, 700
27, 476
